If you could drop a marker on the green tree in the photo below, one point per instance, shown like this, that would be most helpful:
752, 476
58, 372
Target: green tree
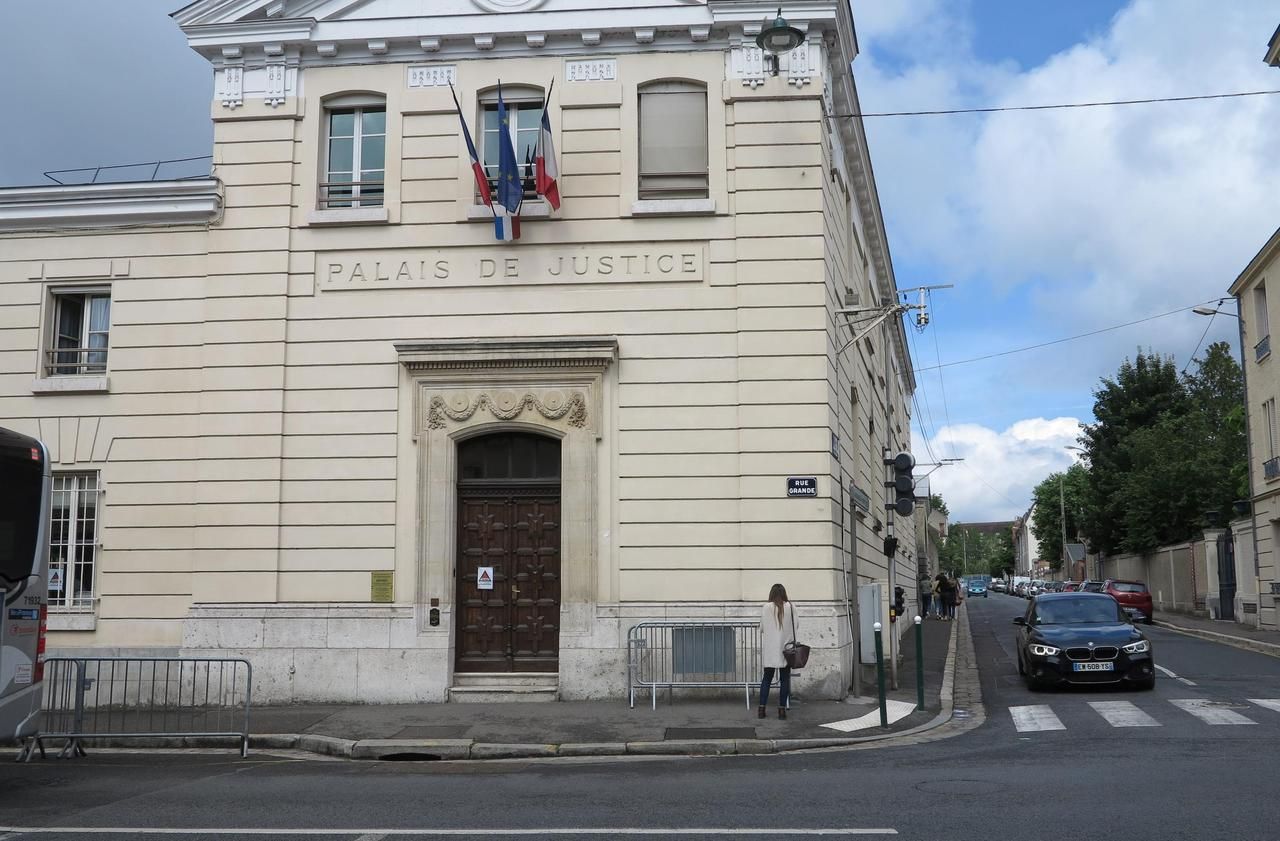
1187, 469
1000, 560
1145, 391
937, 504
1166, 456
1069, 490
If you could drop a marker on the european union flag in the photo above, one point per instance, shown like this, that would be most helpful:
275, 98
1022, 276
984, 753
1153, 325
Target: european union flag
510, 184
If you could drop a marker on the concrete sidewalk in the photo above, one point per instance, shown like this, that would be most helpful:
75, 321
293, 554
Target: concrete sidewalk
692, 724
1226, 632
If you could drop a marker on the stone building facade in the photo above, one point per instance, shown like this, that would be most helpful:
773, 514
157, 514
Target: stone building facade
309, 411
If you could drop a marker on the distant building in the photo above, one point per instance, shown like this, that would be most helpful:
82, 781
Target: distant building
1254, 296
1026, 548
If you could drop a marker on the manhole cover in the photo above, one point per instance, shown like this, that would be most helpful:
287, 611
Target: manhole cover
962, 787
710, 733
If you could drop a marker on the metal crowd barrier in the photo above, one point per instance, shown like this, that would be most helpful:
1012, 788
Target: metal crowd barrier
692, 654
140, 697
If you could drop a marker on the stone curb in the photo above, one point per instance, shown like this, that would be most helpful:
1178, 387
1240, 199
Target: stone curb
1245, 643
467, 749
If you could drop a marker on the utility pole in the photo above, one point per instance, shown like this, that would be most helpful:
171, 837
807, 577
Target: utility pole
1062, 512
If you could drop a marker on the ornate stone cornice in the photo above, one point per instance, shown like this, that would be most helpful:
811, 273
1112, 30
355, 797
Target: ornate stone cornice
62, 207
554, 353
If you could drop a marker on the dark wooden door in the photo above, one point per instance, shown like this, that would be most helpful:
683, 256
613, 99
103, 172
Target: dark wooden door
512, 524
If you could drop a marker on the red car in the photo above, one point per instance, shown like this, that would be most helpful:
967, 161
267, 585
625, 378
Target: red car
1132, 595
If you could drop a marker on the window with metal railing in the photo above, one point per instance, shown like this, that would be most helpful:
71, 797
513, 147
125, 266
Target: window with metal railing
80, 334
1271, 468
355, 157
73, 541
524, 125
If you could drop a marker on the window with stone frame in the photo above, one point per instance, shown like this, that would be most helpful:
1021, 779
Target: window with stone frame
355, 152
78, 332
73, 541
674, 160
524, 125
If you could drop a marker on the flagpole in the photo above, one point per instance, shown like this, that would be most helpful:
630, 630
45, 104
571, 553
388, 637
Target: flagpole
458, 106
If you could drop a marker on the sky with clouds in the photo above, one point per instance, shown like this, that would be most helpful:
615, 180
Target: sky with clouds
1057, 223
1050, 223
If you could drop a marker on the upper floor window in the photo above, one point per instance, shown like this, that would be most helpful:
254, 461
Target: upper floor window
355, 153
1261, 322
524, 122
673, 141
79, 334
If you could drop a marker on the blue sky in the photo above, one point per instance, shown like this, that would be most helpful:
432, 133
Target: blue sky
1048, 223
1058, 223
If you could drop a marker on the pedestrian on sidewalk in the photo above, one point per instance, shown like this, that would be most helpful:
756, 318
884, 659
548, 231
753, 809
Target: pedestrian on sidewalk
940, 596
926, 594
951, 595
777, 629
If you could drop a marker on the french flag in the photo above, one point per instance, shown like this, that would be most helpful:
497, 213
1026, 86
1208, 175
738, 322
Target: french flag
545, 160
506, 225
482, 183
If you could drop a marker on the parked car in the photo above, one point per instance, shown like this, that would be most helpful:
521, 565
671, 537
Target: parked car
1092, 586
1133, 597
1081, 638
997, 586
1070, 586
977, 588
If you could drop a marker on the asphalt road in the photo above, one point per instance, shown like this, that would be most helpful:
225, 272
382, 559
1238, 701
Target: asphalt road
1177, 777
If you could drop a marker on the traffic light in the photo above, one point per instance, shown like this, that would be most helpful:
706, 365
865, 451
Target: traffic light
903, 484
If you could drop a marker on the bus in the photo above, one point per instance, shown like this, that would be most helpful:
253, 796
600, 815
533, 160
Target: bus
25, 485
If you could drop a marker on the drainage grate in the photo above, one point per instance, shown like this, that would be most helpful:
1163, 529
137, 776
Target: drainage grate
710, 733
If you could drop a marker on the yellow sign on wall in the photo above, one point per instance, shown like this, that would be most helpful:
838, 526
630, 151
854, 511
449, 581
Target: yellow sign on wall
381, 587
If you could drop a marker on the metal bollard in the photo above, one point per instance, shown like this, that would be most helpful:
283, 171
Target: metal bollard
884, 713
919, 665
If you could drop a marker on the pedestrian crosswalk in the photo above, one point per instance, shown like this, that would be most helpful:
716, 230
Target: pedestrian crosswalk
1032, 718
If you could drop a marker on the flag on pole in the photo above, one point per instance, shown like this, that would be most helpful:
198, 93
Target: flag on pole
482, 183
510, 185
545, 159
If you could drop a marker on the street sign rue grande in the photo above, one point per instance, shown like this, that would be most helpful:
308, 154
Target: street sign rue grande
802, 486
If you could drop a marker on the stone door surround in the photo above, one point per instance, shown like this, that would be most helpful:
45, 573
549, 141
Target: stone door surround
468, 387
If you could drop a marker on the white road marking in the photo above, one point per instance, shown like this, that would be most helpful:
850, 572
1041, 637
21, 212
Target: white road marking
372, 837
1269, 703
1123, 714
895, 710
1035, 717
429, 833
1208, 713
1172, 675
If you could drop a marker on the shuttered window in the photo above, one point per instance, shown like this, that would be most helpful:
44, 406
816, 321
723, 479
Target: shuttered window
673, 140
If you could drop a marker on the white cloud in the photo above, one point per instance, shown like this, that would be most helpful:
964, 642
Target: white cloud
1055, 223
1000, 469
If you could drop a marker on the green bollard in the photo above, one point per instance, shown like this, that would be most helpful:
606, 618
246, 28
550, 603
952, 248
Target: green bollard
919, 665
884, 713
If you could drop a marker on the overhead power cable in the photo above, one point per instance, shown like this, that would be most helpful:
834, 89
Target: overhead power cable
1055, 341
1099, 104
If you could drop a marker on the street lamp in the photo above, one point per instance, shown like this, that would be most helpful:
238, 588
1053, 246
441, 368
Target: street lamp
778, 37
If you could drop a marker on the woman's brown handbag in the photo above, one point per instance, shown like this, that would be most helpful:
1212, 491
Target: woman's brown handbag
796, 654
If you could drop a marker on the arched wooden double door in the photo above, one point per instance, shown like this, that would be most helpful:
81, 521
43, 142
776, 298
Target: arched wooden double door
509, 529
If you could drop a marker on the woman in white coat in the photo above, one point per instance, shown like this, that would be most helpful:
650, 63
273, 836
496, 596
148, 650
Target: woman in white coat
777, 629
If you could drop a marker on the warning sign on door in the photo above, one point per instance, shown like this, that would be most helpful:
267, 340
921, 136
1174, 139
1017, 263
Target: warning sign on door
484, 578
55, 581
